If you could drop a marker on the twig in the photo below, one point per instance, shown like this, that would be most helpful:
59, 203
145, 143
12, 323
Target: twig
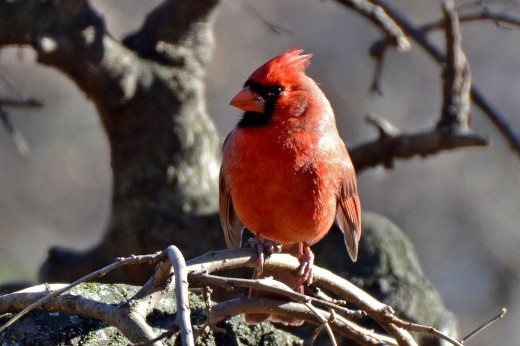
120, 262
269, 286
484, 14
181, 294
385, 128
414, 327
165, 335
13, 132
500, 315
6, 101
277, 29
153, 290
324, 323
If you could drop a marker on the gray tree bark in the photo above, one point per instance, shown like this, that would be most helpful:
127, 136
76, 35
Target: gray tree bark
149, 94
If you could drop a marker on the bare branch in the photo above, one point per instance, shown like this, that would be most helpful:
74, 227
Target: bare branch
379, 48
456, 104
484, 14
181, 294
387, 148
324, 322
496, 117
221, 260
222, 311
499, 316
414, 327
277, 29
16, 136
6, 101
378, 16
132, 260
134, 330
129, 317
269, 286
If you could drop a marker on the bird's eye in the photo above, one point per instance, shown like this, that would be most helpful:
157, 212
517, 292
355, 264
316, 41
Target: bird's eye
275, 92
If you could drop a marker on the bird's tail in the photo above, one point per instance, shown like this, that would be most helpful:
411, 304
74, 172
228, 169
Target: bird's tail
290, 279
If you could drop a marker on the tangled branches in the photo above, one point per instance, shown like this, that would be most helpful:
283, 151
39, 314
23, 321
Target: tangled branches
172, 273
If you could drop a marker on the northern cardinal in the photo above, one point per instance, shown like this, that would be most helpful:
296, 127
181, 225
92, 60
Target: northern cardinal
286, 174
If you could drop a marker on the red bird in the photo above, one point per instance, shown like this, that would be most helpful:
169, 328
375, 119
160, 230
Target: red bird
286, 174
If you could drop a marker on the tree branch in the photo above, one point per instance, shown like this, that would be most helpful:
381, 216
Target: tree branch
224, 310
181, 294
387, 148
378, 16
415, 32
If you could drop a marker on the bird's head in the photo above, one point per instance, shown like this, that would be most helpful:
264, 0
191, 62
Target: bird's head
277, 90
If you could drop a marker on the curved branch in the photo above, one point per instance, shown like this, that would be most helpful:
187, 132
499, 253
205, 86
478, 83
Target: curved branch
181, 294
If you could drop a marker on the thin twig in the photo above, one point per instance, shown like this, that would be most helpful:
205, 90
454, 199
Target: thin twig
16, 136
181, 294
484, 14
277, 29
154, 289
414, 327
120, 262
499, 316
378, 16
7, 101
324, 323
272, 286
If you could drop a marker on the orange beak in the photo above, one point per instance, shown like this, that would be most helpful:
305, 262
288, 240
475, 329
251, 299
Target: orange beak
249, 101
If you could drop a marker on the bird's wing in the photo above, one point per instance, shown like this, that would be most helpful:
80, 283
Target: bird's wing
231, 225
349, 210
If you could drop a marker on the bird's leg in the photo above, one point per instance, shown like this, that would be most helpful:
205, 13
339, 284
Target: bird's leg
264, 250
306, 259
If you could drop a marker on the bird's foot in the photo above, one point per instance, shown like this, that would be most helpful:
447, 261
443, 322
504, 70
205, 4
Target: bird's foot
264, 251
305, 270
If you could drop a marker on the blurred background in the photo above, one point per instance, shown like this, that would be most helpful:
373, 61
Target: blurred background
461, 209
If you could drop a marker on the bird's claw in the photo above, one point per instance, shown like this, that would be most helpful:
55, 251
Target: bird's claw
305, 270
264, 251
